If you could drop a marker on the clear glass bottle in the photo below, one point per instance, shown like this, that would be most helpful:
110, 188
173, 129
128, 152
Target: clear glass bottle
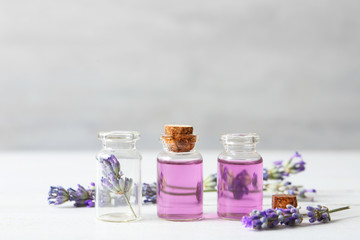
240, 176
179, 176
118, 182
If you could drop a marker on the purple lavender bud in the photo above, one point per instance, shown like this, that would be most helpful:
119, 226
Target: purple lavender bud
106, 184
115, 163
265, 174
287, 183
310, 208
286, 211
312, 220
292, 192
90, 203
58, 195
278, 163
310, 214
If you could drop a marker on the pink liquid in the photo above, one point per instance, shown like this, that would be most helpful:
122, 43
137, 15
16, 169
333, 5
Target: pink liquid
180, 190
240, 187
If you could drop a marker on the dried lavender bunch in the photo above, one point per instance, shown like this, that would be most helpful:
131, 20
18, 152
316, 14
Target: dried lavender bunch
290, 216
82, 197
279, 170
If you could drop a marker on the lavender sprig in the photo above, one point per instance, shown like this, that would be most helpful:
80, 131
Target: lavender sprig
82, 197
114, 181
272, 217
279, 170
289, 216
319, 213
58, 195
288, 188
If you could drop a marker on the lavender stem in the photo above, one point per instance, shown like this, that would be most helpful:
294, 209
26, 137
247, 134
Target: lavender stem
339, 209
128, 203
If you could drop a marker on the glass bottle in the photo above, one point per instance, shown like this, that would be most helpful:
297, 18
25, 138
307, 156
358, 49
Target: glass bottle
240, 176
118, 182
179, 176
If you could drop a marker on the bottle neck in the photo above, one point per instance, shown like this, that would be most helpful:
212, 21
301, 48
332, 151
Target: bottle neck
239, 148
119, 145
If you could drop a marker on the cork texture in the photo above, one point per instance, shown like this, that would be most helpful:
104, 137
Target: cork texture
179, 138
281, 200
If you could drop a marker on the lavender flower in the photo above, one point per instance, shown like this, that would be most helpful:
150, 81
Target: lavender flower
82, 197
289, 216
210, 182
270, 218
279, 170
199, 192
239, 184
293, 166
58, 195
320, 214
149, 192
113, 179
261, 219
288, 188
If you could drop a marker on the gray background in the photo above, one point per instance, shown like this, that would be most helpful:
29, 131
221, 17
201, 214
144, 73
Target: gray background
288, 70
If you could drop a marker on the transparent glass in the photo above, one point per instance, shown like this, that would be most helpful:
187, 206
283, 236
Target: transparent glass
240, 176
118, 182
179, 185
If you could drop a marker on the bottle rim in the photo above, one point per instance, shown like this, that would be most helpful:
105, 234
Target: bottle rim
119, 135
240, 138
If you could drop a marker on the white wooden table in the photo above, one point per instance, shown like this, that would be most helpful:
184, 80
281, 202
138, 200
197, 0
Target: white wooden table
25, 213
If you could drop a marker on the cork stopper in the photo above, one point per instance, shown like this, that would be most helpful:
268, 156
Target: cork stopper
179, 138
281, 200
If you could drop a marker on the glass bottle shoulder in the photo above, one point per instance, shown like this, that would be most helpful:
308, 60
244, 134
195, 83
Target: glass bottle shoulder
124, 154
165, 156
230, 156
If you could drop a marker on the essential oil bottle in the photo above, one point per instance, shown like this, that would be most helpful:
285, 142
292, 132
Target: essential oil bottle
179, 175
118, 185
240, 176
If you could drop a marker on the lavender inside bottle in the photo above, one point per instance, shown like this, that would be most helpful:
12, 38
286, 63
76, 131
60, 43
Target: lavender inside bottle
240, 187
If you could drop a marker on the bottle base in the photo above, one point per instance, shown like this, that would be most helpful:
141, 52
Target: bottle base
117, 217
181, 217
232, 216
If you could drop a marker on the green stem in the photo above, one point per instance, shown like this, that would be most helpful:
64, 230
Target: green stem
339, 209
179, 194
185, 188
332, 211
128, 203
210, 190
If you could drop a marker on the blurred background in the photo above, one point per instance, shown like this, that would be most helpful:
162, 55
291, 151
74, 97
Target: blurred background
288, 70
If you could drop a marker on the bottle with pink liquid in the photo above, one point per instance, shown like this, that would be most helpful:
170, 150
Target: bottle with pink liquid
179, 176
240, 176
